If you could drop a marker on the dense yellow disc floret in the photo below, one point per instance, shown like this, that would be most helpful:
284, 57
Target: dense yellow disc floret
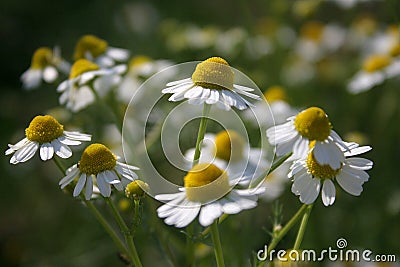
41, 58
320, 171
229, 145
81, 66
97, 158
275, 93
92, 44
206, 182
136, 189
313, 124
376, 62
213, 73
44, 129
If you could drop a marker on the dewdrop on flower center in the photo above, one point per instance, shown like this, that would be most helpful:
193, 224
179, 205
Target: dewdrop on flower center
97, 158
44, 129
92, 44
229, 145
376, 62
213, 73
41, 58
81, 66
206, 182
313, 124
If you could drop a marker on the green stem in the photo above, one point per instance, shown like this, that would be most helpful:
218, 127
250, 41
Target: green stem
125, 230
217, 244
202, 131
97, 215
275, 240
105, 225
207, 230
303, 227
197, 151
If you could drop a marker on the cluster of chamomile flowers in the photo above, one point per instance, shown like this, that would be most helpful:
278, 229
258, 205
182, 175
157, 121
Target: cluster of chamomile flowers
97, 169
320, 157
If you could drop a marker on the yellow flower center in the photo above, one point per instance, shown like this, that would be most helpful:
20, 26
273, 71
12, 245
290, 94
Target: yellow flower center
320, 171
138, 60
92, 44
313, 124
41, 58
312, 30
229, 145
205, 182
82, 66
395, 50
275, 93
136, 189
97, 158
213, 73
44, 129
376, 62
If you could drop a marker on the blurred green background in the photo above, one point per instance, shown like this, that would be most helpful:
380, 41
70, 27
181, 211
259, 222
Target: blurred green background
41, 226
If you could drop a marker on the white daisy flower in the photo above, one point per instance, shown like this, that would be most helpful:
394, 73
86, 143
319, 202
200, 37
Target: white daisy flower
207, 193
46, 134
99, 163
86, 80
45, 66
98, 51
308, 176
376, 69
228, 151
211, 83
295, 135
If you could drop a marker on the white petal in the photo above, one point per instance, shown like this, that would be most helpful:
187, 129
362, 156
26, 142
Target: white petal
46, 151
229, 206
359, 163
64, 140
61, 150
73, 172
25, 153
109, 176
328, 192
79, 185
89, 187
118, 54
13, 148
167, 197
77, 136
310, 194
328, 153
350, 183
358, 150
179, 82
209, 213
50, 74
104, 187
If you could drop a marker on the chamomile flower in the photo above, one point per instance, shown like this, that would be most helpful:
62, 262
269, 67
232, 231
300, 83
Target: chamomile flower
97, 50
87, 79
311, 124
98, 164
45, 66
46, 134
207, 193
309, 175
228, 150
211, 83
376, 69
